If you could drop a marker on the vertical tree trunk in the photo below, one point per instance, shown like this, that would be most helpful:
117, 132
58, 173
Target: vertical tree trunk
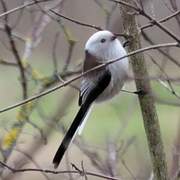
150, 118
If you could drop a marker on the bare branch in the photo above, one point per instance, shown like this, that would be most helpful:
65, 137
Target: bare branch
85, 24
161, 21
147, 38
151, 19
47, 171
15, 52
83, 74
6, 63
75, 21
170, 87
21, 7
54, 57
29, 157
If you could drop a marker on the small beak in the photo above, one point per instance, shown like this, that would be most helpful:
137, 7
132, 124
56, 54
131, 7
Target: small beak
113, 38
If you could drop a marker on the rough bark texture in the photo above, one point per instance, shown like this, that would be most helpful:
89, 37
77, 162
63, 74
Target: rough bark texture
150, 118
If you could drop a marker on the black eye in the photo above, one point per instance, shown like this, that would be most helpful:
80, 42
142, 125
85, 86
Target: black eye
103, 40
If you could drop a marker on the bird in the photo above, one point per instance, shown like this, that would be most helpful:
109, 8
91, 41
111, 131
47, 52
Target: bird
98, 85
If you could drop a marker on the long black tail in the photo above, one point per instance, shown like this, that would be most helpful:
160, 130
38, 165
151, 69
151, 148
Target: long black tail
70, 134
102, 83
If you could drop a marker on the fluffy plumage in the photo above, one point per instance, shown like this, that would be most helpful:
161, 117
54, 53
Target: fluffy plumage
99, 85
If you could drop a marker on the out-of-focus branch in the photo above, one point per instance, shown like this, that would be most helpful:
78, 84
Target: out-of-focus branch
22, 7
69, 57
6, 63
153, 21
126, 4
165, 101
43, 136
20, 15
170, 87
175, 155
148, 39
68, 165
9, 139
15, 51
161, 26
140, 11
106, 11
53, 122
18, 59
29, 157
147, 104
54, 57
127, 168
93, 156
35, 34
75, 21
161, 21
48, 129
41, 21
84, 24
14, 33
175, 8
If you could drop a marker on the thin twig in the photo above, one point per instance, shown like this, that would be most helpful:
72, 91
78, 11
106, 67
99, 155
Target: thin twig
48, 171
161, 26
75, 21
21, 7
54, 57
175, 8
83, 74
170, 87
69, 56
29, 157
128, 169
15, 52
6, 63
43, 136
151, 19
161, 21
172, 59
85, 24
137, 9
15, 34
126, 4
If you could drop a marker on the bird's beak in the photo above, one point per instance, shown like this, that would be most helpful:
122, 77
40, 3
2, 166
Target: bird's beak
113, 38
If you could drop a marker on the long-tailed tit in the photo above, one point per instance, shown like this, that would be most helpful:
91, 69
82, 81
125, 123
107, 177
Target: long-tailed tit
99, 85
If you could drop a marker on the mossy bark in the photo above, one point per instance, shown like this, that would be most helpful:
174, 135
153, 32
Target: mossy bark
147, 104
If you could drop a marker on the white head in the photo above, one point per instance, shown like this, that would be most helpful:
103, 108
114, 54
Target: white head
104, 45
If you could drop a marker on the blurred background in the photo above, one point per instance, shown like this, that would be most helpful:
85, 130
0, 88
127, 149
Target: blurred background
43, 49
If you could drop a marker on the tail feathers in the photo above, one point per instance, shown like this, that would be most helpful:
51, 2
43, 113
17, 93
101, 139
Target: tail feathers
70, 134
102, 83
82, 125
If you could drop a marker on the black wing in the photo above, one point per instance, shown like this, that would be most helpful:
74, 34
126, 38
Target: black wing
87, 85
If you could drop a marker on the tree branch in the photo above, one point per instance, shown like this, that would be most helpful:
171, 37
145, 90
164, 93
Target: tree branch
22, 7
65, 83
161, 20
151, 19
48, 171
147, 104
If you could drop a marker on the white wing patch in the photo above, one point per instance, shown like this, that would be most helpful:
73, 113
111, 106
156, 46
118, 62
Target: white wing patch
86, 87
81, 127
